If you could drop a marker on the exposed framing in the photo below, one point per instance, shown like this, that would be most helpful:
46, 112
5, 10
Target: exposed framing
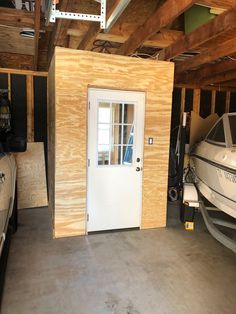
29, 95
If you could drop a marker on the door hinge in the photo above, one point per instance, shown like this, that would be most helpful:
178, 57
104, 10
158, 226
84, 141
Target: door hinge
88, 162
87, 217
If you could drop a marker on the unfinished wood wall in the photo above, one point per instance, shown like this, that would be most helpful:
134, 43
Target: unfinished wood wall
196, 105
72, 73
31, 174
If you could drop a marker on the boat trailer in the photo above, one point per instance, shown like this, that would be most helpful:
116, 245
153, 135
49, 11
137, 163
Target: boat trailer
193, 199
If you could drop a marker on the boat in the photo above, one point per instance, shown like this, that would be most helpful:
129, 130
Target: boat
213, 163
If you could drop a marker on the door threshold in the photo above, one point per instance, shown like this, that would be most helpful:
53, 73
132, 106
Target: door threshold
114, 230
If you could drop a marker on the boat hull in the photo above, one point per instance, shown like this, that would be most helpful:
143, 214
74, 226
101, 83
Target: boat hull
215, 178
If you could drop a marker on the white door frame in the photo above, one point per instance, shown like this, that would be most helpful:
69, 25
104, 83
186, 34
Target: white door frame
130, 95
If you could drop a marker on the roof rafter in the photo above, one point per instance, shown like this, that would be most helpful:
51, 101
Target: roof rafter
223, 77
210, 69
226, 49
163, 16
223, 4
222, 23
19, 18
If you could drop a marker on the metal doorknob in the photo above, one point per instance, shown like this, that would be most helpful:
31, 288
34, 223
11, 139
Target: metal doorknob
138, 169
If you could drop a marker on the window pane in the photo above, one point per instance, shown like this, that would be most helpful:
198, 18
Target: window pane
116, 113
127, 155
103, 155
116, 134
128, 113
128, 135
104, 112
232, 123
116, 155
103, 134
217, 134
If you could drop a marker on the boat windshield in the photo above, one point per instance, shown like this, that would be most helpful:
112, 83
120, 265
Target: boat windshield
217, 134
232, 123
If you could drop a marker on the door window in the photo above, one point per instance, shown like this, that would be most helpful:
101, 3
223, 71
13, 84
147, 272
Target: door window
115, 133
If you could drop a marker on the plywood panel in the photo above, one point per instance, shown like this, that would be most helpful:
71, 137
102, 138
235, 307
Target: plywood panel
75, 71
31, 177
12, 41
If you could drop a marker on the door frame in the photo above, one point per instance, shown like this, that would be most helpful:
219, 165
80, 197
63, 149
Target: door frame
87, 147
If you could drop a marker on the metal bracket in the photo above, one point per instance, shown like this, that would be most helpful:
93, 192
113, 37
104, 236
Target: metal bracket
56, 14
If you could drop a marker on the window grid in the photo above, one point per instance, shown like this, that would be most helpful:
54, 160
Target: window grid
112, 124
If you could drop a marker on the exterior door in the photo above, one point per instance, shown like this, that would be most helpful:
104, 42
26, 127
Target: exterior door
115, 159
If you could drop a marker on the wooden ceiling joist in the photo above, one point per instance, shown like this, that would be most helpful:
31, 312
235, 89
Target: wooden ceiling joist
223, 77
222, 4
94, 29
61, 25
37, 13
20, 19
60, 28
222, 23
210, 55
162, 17
206, 71
160, 40
229, 83
16, 18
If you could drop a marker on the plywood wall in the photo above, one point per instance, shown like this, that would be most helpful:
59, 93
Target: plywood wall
73, 73
31, 177
31, 173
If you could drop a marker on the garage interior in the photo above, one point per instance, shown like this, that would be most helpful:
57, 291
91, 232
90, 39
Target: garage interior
57, 60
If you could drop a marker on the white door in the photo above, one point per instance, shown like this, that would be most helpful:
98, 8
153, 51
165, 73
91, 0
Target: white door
115, 159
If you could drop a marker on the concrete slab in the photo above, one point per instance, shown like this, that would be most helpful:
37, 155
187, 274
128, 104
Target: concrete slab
167, 271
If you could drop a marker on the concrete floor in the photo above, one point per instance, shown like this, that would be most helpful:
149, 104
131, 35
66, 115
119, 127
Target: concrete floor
166, 271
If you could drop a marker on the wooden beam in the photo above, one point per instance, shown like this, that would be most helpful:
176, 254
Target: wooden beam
196, 100
9, 85
16, 18
182, 104
60, 27
217, 79
22, 72
206, 71
163, 16
223, 4
227, 102
15, 60
94, 30
161, 40
229, 83
204, 33
213, 101
208, 87
19, 18
226, 49
30, 108
37, 9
